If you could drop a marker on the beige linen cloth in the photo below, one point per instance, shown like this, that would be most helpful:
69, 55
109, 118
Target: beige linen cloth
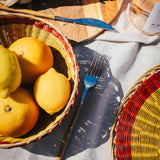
132, 54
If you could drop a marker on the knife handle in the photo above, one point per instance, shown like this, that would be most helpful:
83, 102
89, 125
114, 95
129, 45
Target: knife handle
65, 19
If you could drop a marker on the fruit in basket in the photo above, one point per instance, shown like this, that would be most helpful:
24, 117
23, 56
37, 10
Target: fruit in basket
10, 72
35, 57
52, 91
18, 113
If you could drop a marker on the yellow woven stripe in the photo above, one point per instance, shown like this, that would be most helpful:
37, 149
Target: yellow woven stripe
34, 31
145, 137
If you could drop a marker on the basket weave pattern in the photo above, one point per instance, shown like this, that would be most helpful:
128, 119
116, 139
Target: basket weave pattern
15, 26
136, 130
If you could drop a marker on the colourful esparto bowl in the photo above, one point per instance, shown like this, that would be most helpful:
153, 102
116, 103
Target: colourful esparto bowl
135, 134
15, 26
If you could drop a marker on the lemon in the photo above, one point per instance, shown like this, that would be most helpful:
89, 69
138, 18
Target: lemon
10, 72
19, 113
52, 91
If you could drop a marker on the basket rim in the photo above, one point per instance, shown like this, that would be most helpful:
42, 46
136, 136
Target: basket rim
73, 95
125, 99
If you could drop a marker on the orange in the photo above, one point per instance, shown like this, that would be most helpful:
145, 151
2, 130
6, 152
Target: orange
18, 113
52, 91
35, 57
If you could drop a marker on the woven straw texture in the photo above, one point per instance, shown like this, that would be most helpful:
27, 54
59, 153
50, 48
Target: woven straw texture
136, 130
15, 26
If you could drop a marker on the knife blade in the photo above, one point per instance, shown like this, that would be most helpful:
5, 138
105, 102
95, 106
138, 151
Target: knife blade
87, 21
83, 21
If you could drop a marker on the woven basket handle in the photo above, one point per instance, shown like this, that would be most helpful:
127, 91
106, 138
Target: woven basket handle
27, 11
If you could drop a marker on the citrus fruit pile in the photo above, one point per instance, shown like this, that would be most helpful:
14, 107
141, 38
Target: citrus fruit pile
29, 61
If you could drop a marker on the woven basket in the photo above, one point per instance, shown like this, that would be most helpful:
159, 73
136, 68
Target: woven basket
15, 26
135, 134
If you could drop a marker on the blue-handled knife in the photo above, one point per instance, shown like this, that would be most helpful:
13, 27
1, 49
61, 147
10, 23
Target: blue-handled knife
83, 21
87, 21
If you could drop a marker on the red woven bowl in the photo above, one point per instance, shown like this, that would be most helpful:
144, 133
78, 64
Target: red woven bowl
135, 134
